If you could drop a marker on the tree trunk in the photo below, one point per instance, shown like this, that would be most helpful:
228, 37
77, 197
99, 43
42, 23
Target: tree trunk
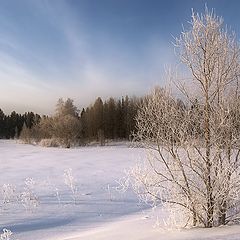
194, 218
210, 202
223, 207
222, 215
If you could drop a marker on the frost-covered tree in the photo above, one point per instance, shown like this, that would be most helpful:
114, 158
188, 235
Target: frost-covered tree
67, 128
194, 147
66, 124
25, 134
67, 107
62, 129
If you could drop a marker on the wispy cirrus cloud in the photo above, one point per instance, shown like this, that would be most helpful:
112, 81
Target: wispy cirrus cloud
57, 53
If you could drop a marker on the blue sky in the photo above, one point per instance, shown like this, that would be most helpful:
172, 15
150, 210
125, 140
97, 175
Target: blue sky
83, 49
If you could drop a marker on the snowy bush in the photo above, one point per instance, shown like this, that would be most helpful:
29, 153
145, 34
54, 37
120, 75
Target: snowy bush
9, 193
28, 198
51, 142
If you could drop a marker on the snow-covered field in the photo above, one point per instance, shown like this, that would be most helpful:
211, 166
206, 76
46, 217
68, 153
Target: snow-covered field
95, 211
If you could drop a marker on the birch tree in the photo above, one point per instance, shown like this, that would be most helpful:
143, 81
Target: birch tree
194, 148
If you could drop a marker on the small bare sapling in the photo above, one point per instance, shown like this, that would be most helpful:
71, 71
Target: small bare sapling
71, 182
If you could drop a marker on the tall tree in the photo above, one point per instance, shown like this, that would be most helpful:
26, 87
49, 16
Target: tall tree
196, 170
2, 124
98, 124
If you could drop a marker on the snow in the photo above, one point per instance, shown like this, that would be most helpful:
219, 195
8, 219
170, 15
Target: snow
99, 211
137, 228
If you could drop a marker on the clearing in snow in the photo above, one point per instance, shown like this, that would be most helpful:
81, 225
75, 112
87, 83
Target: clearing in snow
54, 193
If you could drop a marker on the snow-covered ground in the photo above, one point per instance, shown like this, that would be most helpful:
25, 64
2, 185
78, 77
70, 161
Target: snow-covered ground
99, 211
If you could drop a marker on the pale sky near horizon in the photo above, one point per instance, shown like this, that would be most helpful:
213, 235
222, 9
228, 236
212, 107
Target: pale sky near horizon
89, 48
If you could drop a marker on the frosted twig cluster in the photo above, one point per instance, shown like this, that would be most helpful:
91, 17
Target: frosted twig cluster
71, 182
6, 235
28, 198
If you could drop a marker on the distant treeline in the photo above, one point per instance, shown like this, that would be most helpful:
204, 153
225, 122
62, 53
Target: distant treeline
114, 118
111, 119
11, 125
